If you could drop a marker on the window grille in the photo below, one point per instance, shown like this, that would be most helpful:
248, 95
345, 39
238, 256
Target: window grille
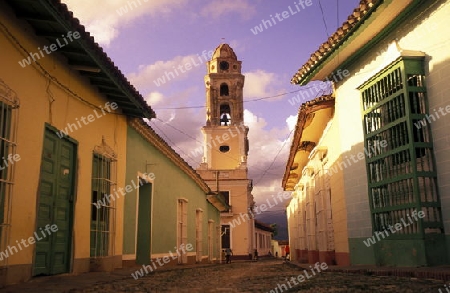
103, 210
9, 105
401, 174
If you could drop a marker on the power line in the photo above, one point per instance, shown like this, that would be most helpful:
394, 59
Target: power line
276, 156
193, 138
245, 101
264, 173
171, 142
323, 18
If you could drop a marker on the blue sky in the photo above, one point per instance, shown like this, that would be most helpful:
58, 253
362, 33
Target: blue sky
154, 37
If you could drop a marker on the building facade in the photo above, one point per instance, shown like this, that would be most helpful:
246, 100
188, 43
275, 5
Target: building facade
224, 166
382, 153
263, 238
170, 208
315, 234
63, 136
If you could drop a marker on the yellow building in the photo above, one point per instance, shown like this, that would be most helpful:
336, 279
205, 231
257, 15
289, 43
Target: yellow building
370, 171
63, 134
224, 166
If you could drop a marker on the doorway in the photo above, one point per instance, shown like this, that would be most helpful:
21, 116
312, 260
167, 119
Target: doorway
55, 204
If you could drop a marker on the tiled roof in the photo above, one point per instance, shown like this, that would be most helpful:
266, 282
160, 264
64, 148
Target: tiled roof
51, 18
353, 21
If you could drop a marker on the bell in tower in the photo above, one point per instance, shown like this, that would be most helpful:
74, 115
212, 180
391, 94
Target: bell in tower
225, 116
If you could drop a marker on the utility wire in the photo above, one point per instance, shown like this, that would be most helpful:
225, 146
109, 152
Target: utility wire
265, 172
276, 156
323, 18
195, 139
245, 101
172, 143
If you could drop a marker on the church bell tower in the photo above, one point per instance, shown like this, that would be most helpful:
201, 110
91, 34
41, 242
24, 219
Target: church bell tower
226, 143
226, 147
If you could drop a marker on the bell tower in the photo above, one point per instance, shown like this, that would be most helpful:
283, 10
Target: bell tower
226, 143
226, 146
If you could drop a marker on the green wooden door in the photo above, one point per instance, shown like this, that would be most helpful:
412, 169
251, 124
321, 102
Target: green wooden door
55, 205
144, 224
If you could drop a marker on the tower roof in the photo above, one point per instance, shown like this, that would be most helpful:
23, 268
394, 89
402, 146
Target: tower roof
224, 51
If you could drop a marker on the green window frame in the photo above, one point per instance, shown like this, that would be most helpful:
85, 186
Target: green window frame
401, 176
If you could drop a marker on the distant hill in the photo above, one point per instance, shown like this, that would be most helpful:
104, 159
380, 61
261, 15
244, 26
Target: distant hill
275, 217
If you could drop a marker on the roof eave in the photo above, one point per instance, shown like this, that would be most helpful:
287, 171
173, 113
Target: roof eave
96, 65
305, 109
339, 42
217, 201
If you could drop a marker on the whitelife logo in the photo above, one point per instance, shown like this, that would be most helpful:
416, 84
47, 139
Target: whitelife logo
162, 261
318, 268
71, 127
217, 140
130, 6
434, 116
281, 16
282, 196
397, 226
53, 47
183, 68
11, 249
108, 198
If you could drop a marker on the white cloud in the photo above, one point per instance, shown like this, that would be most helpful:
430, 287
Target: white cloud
265, 169
154, 98
218, 8
291, 121
163, 73
104, 18
260, 84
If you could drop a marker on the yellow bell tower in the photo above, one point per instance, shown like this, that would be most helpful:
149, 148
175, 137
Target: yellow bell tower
226, 146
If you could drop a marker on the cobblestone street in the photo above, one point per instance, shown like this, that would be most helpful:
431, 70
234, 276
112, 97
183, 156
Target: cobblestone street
261, 276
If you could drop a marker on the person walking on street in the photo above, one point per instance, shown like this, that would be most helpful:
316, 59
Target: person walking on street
228, 254
255, 257
287, 253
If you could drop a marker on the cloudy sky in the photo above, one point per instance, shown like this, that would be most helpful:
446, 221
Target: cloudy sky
148, 38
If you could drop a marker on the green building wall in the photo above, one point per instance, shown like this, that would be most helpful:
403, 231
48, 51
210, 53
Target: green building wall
170, 184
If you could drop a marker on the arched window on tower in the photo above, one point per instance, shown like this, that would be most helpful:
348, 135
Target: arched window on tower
225, 115
223, 89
